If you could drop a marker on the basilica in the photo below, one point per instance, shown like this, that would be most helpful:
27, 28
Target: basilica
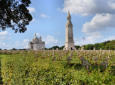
37, 43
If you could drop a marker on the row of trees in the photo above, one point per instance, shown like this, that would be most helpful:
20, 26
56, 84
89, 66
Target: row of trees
107, 45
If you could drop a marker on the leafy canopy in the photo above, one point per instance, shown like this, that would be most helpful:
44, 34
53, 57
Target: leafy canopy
15, 15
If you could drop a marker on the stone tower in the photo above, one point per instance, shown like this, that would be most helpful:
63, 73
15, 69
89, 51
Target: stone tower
69, 42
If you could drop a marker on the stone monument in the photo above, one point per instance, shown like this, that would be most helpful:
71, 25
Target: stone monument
69, 42
37, 43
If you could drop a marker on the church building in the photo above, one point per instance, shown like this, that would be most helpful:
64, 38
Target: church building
37, 43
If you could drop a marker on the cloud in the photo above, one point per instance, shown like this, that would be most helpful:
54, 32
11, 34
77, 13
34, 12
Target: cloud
87, 7
2, 44
3, 35
43, 16
100, 22
50, 41
24, 44
112, 5
109, 38
89, 39
31, 9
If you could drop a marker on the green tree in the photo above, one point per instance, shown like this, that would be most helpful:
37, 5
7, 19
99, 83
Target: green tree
77, 47
54, 47
14, 14
89, 47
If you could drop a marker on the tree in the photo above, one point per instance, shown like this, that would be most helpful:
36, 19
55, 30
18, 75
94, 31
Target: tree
54, 47
15, 15
77, 47
89, 47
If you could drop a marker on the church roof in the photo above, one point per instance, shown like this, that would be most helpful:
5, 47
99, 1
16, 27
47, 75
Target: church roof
37, 40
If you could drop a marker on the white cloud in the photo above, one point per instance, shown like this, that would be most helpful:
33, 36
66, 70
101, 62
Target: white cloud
89, 39
26, 43
44, 15
31, 9
86, 7
100, 22
112, 4
2, 44
50, 41
109, 38
3, 35
21, 44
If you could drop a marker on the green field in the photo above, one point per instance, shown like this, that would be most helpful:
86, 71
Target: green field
57, 67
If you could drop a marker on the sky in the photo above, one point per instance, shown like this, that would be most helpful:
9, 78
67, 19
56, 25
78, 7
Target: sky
93, 22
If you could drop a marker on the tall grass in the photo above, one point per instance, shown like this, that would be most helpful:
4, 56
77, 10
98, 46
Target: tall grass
39, 68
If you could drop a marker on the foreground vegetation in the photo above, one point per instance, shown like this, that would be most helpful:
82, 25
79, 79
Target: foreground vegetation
58, 67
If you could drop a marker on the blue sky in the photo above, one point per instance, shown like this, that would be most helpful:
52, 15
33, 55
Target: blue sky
93, 21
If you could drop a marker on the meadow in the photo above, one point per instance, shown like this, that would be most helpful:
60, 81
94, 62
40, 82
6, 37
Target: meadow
57, 67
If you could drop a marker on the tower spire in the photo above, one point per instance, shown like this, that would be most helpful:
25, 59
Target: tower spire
69, 16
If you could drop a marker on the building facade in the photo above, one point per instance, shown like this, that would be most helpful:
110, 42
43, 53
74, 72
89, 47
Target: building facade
37, 43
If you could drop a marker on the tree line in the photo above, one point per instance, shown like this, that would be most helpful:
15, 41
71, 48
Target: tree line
107, 45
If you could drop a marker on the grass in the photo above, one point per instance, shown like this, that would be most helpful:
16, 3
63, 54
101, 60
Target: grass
39, 68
